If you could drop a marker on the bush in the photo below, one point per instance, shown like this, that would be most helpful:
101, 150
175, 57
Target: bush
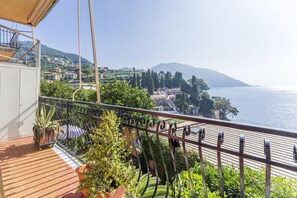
254, 181
180, 159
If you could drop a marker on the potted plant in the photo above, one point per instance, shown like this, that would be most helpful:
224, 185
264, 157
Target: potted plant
107, 172
45, 130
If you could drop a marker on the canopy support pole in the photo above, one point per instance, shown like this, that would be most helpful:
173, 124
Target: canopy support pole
94, 51
34, 43
78, 45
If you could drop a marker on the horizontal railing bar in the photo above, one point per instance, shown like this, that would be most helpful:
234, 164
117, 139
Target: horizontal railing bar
234, 125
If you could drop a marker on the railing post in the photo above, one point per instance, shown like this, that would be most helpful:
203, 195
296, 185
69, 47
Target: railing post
67, 124
241, 164
268, 167
200, 139
295, 153
187, 132
219, 144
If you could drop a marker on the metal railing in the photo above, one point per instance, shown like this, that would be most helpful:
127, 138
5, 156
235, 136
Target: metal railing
159, 144
8, 39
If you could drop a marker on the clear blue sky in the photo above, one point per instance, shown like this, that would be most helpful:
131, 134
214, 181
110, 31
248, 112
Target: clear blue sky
251, 40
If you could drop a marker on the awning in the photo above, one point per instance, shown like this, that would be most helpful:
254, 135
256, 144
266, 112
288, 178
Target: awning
28, 12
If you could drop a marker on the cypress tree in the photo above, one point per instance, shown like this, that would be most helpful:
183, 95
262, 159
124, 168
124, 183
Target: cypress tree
138, 80
162, 82
168, 80
151, 86
134, 82
143, 80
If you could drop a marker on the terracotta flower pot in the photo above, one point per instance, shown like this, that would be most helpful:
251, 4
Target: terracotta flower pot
119, 192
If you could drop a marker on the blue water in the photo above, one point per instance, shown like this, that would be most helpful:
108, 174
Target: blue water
264, 106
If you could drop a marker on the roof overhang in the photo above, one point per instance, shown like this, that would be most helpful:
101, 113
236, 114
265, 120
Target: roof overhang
28, 12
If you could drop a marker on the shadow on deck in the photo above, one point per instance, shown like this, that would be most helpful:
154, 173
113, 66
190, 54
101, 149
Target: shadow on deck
26, 172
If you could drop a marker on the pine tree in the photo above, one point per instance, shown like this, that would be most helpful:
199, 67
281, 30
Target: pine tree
185, 87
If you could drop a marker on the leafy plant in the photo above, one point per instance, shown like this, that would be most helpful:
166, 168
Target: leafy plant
146, 186
197, 183
44, 121
108, 168
180, 159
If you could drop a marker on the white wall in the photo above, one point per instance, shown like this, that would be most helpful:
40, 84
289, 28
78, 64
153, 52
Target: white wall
18, 99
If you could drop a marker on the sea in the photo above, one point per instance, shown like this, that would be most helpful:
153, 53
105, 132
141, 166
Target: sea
274, 107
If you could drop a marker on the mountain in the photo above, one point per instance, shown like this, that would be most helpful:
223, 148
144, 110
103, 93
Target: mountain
50, 57
211, 77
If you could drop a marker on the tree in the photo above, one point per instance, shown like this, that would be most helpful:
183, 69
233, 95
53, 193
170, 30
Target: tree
177, 80
56, 89
137, 80
133, 81
224, 107
193, 80
88, 71
115, 93
156, 80
206, 105
182, 102
162, 82
168, 80
151, 86
185, 87
123, 94
144, 80
194, 96
202, 85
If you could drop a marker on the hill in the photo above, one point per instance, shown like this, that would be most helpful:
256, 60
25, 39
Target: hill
211, 77
51, 57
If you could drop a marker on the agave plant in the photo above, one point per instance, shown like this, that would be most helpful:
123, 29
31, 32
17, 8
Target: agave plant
44, 121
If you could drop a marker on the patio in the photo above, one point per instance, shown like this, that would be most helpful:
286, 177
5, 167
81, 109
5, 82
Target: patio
26, 172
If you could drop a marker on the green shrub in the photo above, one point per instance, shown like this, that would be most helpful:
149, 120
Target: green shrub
180, 159
254, 181
108, 168
197, 182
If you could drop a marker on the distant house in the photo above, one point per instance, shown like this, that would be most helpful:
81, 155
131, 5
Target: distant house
103, 69
84, 86
70, 75
173, 91
52, 76
159, 99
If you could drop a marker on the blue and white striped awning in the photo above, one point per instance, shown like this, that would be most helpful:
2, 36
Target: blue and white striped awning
74, 132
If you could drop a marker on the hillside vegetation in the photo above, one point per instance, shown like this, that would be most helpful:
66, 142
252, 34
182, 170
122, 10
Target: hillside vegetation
211, 77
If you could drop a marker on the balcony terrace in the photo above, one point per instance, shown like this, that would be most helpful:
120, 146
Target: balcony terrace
220, 143
261, 160
27, 172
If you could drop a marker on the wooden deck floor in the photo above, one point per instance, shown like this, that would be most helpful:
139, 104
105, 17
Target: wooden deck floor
281, 148
26, 172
